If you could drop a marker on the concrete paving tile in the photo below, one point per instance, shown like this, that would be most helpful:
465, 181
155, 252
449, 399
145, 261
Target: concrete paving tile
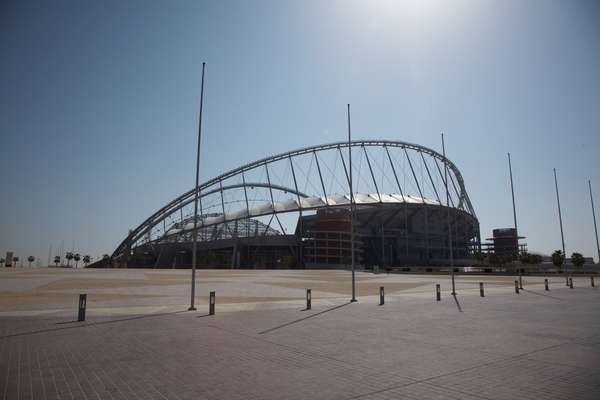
532, 345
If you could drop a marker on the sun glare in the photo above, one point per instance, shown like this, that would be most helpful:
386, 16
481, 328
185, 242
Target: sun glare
408, 13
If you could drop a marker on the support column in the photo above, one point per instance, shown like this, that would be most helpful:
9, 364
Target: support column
426, 236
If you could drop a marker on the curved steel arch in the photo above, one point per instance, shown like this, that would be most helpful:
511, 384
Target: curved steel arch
241, 186
185, 199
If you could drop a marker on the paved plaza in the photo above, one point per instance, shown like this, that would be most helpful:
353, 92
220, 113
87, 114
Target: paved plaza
138, 342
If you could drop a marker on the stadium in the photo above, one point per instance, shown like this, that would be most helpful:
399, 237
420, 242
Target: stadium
294, 210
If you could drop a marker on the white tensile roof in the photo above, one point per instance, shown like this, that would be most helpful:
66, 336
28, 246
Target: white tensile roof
311, 202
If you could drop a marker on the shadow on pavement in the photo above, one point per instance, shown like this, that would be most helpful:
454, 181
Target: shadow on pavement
302, 319
541, 294
66, 322
457, 303
84, 324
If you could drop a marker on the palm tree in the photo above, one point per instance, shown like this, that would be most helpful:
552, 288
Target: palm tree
56, 260
76, 257
30, 259
69, 257
86, 260
577, 259
558, 258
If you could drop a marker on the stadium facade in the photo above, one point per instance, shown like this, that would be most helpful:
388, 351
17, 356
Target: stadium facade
293, 210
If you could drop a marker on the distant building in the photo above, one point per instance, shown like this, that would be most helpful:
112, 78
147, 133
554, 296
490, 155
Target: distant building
505, 243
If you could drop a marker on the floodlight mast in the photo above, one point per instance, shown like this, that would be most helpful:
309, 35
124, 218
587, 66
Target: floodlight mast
351, 209
195, 231
594, 217
448, 208
562, 236
512, 192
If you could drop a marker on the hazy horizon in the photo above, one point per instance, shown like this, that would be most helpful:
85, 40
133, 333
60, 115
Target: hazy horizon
100, 104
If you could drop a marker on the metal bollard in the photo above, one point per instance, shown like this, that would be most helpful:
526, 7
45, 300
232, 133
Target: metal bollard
516, 286
481, 289
438, 292
546, 285
82, 304
381, 296
520, 282
308, 299
592, 281
211, 304
570, 283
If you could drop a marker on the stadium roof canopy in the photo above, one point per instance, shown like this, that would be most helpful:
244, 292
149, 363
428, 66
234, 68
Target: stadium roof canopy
308, 179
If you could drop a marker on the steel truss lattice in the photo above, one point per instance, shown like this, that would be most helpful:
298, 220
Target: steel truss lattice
304, 181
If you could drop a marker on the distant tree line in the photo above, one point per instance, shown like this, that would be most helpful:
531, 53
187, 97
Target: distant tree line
526, 258
75, 257
558, 259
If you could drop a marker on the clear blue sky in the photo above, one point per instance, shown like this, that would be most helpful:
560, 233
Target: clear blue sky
99, 103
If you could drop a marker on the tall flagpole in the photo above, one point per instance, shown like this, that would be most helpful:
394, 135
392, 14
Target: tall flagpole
351, 208
562, 236
512, 192
195, 231
448, 209
594, 215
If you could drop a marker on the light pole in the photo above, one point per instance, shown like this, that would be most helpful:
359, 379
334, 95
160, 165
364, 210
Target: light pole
351, 209
195, 231
562, 236
448, 209
512, 192
594, 216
